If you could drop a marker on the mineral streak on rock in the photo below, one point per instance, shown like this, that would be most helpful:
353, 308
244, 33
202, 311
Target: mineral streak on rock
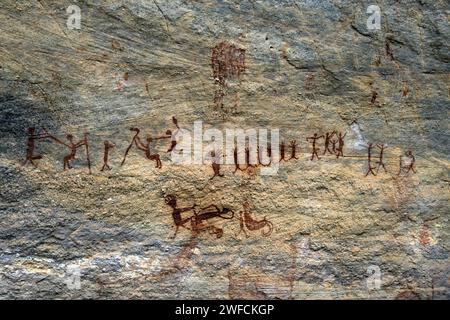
304, 67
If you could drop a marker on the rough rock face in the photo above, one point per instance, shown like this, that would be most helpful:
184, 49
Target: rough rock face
302, 67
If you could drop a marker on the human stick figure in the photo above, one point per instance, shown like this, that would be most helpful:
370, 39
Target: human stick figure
247, 158
269, 155
144, 147
108, 145
236, 160
73, 147
313, 140
328, 137
172, 136
32, 137
215, 158
293, 145
133, 141
369, 160
374, 97
340, 148
407, 166
282, 151
380, 162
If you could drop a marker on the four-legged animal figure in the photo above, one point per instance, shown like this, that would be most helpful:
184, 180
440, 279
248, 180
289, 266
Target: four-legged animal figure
171, 200
199, 221
246, 221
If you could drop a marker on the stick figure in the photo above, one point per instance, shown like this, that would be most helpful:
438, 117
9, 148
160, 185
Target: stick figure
380, 162
313, 139
73, 149
144, 147
309, 81
407, 166
282, 151
133, 141
269, 155
108, 145
328, 137
404, 90
169, 133
333, 145
171, 200
269, 151
389, 51
369, 164
236, 161
73, 146
374, 97
247, 158
340, 148
30, 156
215, 158
293, 145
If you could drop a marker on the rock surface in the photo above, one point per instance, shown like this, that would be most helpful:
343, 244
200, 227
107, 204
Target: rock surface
310, 67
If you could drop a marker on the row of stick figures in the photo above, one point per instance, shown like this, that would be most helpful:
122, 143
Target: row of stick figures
333, 144
74, 146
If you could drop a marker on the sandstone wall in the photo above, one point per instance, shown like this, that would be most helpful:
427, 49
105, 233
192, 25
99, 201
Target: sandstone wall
310, 67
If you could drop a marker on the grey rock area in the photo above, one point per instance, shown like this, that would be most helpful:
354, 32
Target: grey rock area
310, 67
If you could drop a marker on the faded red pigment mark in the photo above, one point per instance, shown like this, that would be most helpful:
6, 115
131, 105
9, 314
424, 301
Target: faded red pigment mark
173, 142
227, 62
424, 236
389, 51
374, 97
